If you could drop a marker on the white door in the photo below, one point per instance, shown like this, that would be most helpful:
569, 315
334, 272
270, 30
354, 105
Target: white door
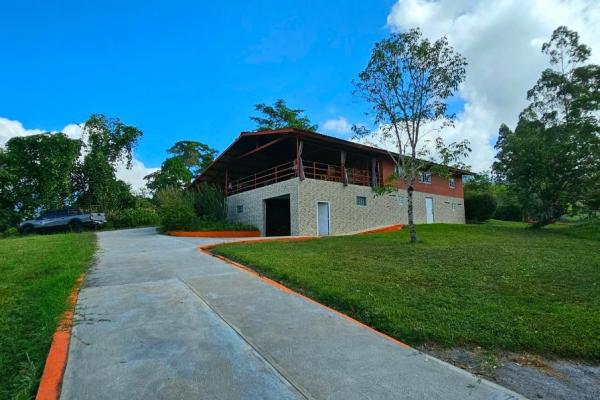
429, 209
323, 218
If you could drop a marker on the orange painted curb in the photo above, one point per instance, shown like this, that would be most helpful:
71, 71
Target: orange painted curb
214, 233
391, 228
206, 250
56, 361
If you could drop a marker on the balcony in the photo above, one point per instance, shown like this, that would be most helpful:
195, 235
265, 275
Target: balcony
312, 170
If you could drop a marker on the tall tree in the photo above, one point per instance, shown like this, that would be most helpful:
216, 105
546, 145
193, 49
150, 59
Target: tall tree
407, 82
188, 158
38, 172
552, 159
279, 116
109, 142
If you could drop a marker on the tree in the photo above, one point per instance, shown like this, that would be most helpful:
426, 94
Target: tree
109, 142
188, 159
407, 82
38, 172
552, 158
279, 116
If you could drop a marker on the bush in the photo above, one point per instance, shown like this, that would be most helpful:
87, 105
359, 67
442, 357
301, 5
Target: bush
479, 206
509, 212
132, 217
12, 231
176, 209
210, 203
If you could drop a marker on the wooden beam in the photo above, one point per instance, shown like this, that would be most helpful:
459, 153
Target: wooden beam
264, 146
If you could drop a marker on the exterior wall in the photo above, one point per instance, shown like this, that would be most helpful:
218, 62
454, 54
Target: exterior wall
439, 185
254, 209
346, 216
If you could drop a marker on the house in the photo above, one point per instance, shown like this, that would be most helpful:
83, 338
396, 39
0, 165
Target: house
297, 182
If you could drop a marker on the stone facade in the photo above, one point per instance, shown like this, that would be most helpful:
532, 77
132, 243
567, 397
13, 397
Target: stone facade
253, 207
346, 216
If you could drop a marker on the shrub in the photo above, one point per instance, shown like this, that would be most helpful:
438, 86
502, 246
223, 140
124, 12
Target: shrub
12, 231
210, 203
132, 217
509, 212
479, 206
176, 209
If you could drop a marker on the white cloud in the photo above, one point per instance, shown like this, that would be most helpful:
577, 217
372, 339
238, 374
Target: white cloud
134, 176
339, 125
10, 128
501, 41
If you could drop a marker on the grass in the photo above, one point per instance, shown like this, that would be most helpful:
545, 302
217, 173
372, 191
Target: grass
499, 285
38, 273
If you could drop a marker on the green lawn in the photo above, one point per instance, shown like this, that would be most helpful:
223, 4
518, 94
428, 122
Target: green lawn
502, 286
37, 273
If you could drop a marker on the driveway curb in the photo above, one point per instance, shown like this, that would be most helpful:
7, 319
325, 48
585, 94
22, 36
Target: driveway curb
56, 362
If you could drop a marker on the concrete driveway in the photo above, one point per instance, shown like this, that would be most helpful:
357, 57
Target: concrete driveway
156, 319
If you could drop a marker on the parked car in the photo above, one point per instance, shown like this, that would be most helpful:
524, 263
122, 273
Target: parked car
72, 219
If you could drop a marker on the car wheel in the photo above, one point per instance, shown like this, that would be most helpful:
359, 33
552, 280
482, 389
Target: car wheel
75, 226
27, 230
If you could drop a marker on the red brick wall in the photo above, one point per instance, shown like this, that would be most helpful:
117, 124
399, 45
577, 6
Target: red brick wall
439, 185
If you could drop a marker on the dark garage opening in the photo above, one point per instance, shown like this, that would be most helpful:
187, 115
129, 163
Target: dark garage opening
277, 216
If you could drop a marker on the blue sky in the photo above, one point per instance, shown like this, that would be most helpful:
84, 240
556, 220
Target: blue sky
194, 70
182, 70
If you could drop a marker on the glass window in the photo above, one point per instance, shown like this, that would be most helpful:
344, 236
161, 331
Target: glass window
361, 201
451, 183
240, 209
425, 177
401, 201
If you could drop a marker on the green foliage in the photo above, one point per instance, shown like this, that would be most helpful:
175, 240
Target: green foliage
551, 159
479, 206
38, 172
498, 285
188, 159
109, 142
407, 84
279, 116
8, 232
508, 207
176, 208
38, 273
132, 217
177, 211
210, 203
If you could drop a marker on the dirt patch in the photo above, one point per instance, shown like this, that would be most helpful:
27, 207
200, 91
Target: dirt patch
531, 375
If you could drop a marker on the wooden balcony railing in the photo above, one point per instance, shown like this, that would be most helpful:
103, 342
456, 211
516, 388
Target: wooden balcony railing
312, 170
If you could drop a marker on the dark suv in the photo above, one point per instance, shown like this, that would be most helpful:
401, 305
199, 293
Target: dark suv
73, 219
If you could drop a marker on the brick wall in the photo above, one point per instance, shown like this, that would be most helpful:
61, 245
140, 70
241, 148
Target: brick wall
439, 185
345, 215
253, 206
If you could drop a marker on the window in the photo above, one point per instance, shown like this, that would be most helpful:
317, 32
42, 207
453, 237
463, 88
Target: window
399, 171
451, 183
240, 209
361, 201
401, 201
453, 206
425, 177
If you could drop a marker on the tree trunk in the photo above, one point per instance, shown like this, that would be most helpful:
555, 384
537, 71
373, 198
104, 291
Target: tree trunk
411, 221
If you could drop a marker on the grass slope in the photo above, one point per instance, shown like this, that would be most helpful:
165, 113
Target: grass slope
37, 274
497, 285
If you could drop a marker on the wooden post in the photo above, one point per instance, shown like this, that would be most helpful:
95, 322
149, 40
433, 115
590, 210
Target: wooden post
314, 170
276, 174
226, 180
297, 160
